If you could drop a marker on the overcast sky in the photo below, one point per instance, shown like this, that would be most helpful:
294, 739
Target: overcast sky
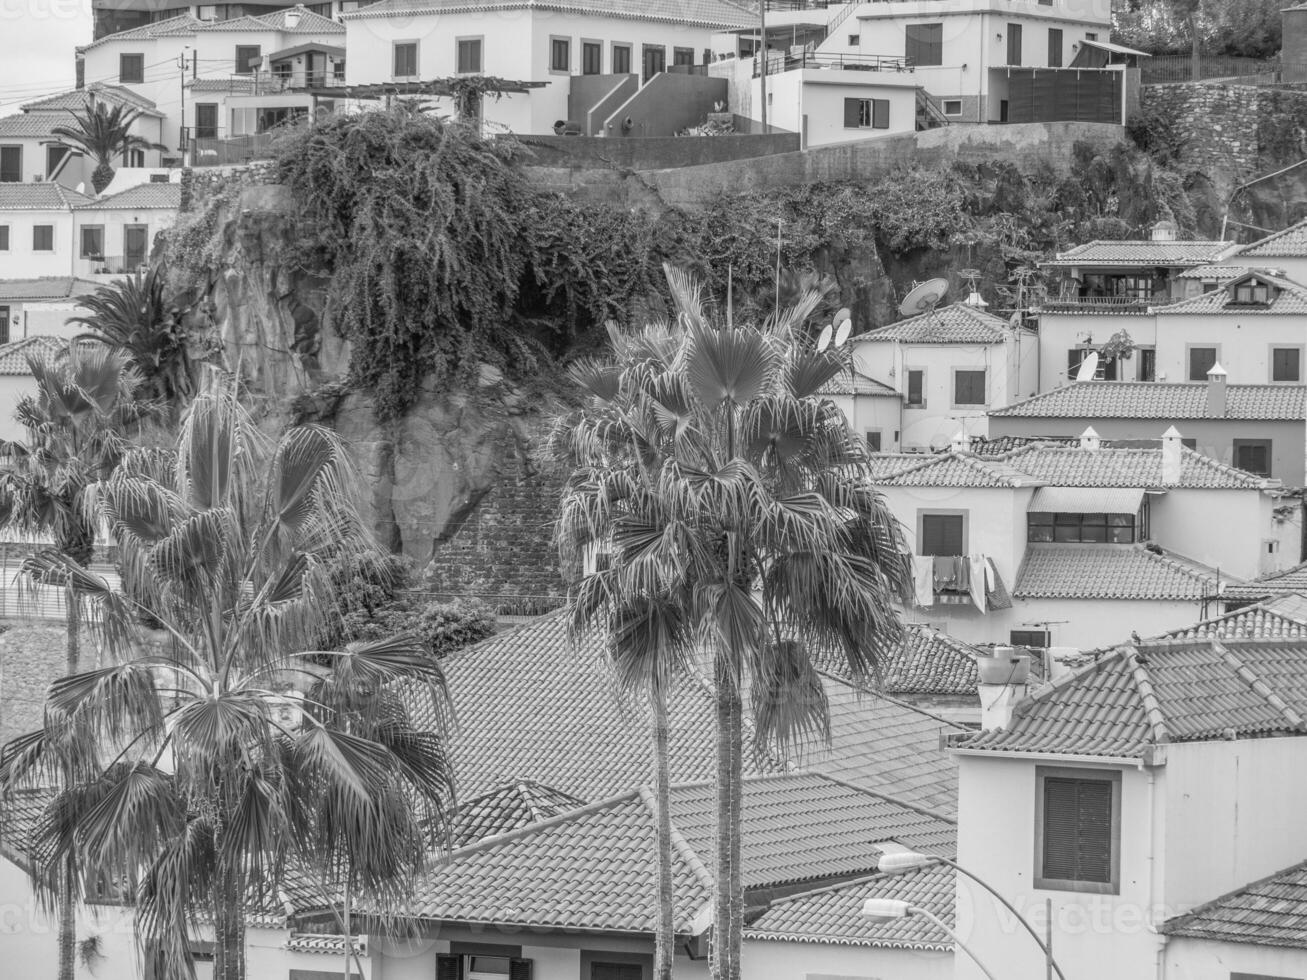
37, 38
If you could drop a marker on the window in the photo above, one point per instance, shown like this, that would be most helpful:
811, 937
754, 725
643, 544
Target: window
1080, 528
11, 164
592, 58
1201, 360
248, 58
206, 120
925, 45
348, 6
1253, 455
406, 59
1054, 47
1252, 293
942, 534
131, 69
1147, 363
1014, 44
560, 54
605, 965
43, 238
655, 60
1105, 371
281, 70
206, 12
1078, 830
1286, 363
1091, 37
159, 179
969, 387
873, 440
621, 59
4, 238
952, 107
866, 113
855, 40
600, 970
92, 242
682, 56
1038, 639
917, 388
54, 158
468, 52
490, 965
4, 324
338, 70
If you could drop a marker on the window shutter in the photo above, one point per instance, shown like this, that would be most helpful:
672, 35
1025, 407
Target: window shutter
935, 44
449, 967
520, 969
915, 379
1060, 829
1094, 802
880, 113
852, 113
941, 534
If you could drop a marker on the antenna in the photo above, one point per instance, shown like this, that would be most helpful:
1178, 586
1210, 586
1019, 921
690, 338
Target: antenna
923, 297
974, 299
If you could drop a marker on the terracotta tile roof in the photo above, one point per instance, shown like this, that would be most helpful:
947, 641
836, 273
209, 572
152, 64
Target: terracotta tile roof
957, 323
1157, 400
1216, 273
1291, 243
47, 288
1291, 580
140, 197
591, 868
25, 125
1109, 571
833, 915
532, 706
13, 356
1290, 300
957, 470
1000, 446
1121, 253
700, 13
508, 808
1270, 912
859, 384
187, 26
1281, 618
184, 25
926, 662
1067, 466
43, 195
307, 23
1162, 691
883, 464
75, 99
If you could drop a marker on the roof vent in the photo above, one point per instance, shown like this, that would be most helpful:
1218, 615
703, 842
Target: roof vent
1172, 457
1165, 231
1089, 439
1216, 393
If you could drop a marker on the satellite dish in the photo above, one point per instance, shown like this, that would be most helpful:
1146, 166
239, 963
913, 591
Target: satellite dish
824, 338
842, 332
1088, 367
842, 316
81, 187
923, 297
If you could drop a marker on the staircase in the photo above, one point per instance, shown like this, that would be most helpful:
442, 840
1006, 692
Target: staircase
929, 115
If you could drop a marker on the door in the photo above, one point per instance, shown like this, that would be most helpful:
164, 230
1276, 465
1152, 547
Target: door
655, 60
4, 324
134, 245
206, 120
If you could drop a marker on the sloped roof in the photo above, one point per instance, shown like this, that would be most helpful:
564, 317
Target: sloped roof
307, 23
30, 125
507, 808
858, 384
531, 706
315, 46
703, 13
1284, 617
1109, 571
1072, 466
929, 662
1157, 400
185, 25
833, 915
1291, 243
956, 323
45, 195
1290, 300
13, 356
1217, 273
1128, 254
591, 868
49, 287
957, 470
1270, 912
1291, 580
884, 464
1158, 692
141, 197
75, 99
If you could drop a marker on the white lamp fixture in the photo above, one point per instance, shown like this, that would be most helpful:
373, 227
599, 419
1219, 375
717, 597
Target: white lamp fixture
884, 909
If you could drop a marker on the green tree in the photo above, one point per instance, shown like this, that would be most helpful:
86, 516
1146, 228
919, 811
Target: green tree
185, 773
737, 506
103, 132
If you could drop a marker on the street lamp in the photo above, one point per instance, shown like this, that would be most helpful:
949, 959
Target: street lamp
885, 909
904, 861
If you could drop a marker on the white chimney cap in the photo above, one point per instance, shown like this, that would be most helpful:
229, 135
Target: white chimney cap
1217, 371
1171, 433
1089, 433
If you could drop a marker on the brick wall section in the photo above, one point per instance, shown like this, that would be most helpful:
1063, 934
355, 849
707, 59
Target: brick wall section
31, 656
505, 548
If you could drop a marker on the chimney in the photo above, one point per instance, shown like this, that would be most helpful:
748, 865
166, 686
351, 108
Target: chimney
1216, 392
1004, 676
1089, 439
1164, 231
961, 442
1171, 465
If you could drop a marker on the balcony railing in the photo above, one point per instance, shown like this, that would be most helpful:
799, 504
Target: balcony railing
109, 265
1101, 304
790, 61
265, 83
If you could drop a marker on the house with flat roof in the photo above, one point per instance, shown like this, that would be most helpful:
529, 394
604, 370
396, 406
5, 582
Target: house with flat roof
1050, 545
1256, 427
1140, 796
951, 366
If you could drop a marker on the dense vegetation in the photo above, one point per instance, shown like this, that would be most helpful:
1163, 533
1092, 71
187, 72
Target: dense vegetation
1248, 28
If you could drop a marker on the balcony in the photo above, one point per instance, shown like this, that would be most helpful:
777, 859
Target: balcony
1101, 304
793, 60
109, 265
265, 83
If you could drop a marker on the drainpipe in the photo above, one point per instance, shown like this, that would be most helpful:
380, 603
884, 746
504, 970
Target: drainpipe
1153, 844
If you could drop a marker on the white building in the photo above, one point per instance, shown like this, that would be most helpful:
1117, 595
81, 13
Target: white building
1285, 251
36, 229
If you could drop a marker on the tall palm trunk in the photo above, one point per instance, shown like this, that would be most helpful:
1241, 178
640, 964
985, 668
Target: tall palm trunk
228, 926
727, 930
68, 872
664, 930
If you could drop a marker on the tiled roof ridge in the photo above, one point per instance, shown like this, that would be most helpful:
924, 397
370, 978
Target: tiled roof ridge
836, 678
924, 811
1144, 686
1046, 691
1259, 686
977, 464
1179, 921
517, 833
1252, 248
1273, 576
679, 844
1225, 469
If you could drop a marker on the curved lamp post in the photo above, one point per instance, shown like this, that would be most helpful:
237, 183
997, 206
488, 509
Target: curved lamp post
904, 861
885, 909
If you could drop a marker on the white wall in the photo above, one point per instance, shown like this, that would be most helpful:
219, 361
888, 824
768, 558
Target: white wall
819, 93
1243, 343
22, 261
1235, 542
1200, 959
114, 221
873, 413
811, 961
1060, 332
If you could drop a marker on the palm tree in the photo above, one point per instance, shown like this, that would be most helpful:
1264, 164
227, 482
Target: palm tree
132, 315
103, 132
185, 779
737, 500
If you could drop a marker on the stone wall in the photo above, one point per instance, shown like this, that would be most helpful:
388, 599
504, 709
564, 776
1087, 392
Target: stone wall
652, 153
31, 656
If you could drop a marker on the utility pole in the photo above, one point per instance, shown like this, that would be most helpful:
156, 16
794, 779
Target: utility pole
181, 68
762, 71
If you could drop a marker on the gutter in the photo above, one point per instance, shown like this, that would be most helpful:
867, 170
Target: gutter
1153, 755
